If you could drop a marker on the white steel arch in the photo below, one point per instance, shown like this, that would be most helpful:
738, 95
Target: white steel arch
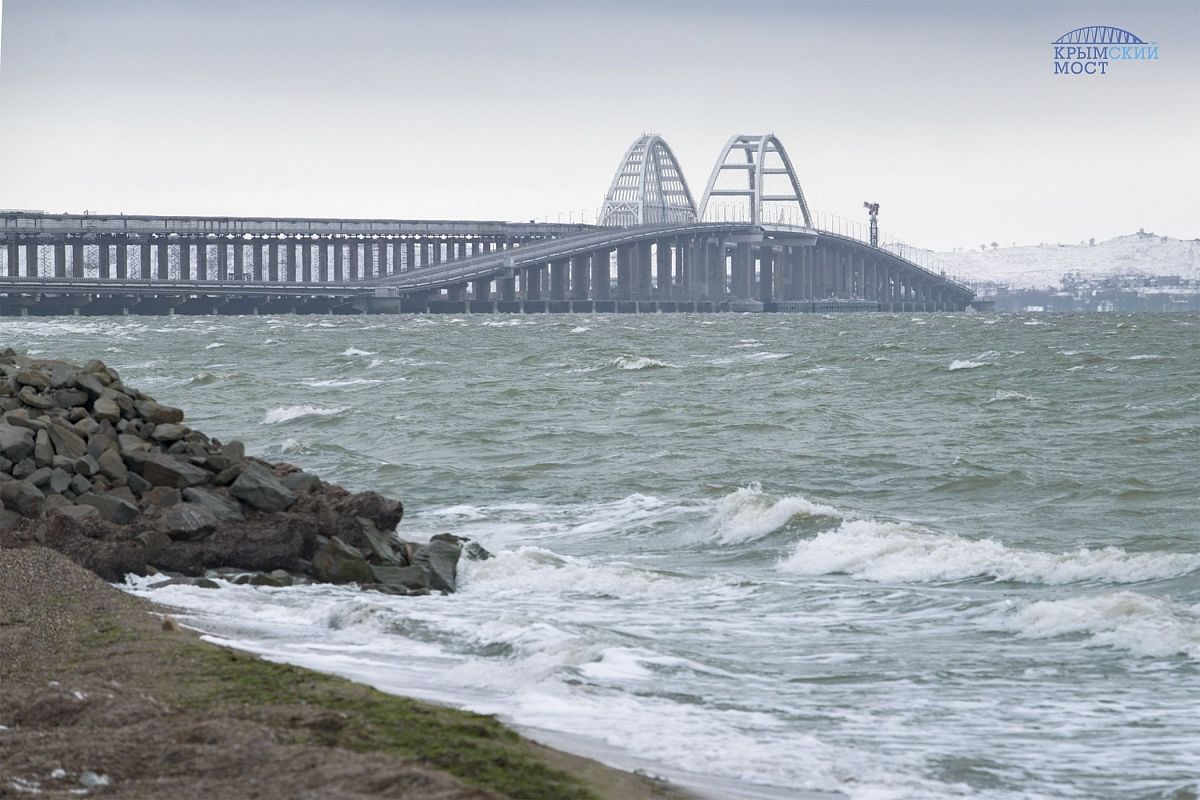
758, 150
649, 187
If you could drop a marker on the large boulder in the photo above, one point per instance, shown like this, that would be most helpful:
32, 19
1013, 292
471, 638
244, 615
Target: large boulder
257, 487
23, 498
188, 521
16, 443
410, 578
111, 507
385, 513
440, 557
66, 442
222, 508
160, 469
338, 562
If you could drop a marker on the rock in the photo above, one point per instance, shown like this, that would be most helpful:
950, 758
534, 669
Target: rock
228, 475
223, 508
111, 508
60, 481
338, 562
234, 451
106, 408
88, 383
259, 579
168, 432
64, 463
43, 451
33, 378
23, 498
257, 487
86, 466
385, 513
137, 484
29, 396
69, 398
440, 557
80, 485
380, 542
130, 443
408, 578
301, 482
16, 443
161, 497
158, 414
86, 426
62, 375
206, 583
188, 521
78, 512
163, 470
40, 477
153, 541
24, 468
66, 442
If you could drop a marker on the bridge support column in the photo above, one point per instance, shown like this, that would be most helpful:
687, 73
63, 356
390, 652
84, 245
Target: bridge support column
31, 261
625, 272
508, 288
101, 254
456, 293
222, 260
410, 255
323, 260
662, 261
339, 259
60, 259
144, 262
185, 260
531, 282
766, 274
12, 257
558, 279
643, 288
579, 277
306, 259
273, 261
77, 260
256, 261
353, 270
602, 274
743, 271
239, 259
481, 289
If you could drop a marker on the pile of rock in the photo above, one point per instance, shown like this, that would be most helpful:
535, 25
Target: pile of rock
104, 474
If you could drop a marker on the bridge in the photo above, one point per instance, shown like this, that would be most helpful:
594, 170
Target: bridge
750, 245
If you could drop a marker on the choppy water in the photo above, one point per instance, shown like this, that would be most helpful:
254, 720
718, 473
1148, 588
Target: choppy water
889, 556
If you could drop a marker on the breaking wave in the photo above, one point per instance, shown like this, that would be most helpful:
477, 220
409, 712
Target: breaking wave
288, 413
749, 513
1138, 623
639, 362
887, 552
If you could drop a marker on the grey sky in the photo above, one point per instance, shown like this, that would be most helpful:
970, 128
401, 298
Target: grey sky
948, 113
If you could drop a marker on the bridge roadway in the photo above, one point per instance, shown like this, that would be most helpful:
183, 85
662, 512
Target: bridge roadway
477, 267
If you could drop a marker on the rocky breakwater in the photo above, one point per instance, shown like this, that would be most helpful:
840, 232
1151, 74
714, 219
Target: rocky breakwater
104, 474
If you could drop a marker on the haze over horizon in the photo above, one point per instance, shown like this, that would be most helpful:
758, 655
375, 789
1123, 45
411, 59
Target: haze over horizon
949, 115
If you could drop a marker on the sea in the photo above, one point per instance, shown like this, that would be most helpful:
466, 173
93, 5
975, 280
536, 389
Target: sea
873, 556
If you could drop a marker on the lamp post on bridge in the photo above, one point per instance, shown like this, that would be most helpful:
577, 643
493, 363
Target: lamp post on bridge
873, 210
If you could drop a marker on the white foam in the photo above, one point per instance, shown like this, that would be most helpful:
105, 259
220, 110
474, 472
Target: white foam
638, 362
887, 552
1002, 395
354, 351
345, 382
288, 413
749, 513
966, 364
214, 345
580, 329
1138, 623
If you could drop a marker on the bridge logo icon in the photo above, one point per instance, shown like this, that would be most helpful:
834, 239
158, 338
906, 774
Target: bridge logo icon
1090, 50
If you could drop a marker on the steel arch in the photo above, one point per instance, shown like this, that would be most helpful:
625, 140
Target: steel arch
756, 148
649, 187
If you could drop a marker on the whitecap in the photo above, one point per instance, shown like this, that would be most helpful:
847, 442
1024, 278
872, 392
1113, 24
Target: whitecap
966, 364
345, 382
288, 413
638, 362
749, 513
214, 345
1138, 623
888, 552
354, 351
580, 329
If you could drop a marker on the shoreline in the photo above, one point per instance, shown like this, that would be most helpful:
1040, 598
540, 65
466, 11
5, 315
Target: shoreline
104, 691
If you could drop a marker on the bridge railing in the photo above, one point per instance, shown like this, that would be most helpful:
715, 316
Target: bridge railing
843, 227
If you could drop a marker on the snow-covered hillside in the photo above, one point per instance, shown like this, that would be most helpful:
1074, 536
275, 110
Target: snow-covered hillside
1039, 266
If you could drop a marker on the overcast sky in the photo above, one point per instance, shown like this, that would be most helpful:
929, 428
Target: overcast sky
949, 114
